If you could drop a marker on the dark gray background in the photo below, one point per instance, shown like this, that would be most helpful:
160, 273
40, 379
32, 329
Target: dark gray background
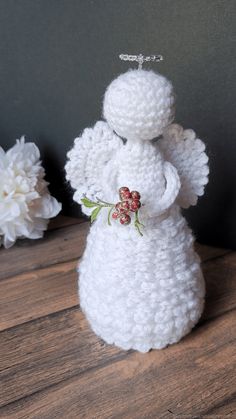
58, 56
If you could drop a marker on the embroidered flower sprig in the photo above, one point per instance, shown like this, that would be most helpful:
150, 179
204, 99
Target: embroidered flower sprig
121, 211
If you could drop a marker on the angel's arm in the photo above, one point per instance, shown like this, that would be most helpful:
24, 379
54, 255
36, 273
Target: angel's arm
187, 154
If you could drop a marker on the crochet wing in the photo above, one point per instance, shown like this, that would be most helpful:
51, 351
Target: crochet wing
187, 154
87, 160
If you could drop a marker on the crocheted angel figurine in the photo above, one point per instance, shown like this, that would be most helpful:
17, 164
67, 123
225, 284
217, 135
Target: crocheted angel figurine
146, 290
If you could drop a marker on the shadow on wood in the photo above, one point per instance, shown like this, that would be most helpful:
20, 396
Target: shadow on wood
220, 275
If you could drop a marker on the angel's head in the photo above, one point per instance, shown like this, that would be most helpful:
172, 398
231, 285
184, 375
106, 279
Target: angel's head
139, 104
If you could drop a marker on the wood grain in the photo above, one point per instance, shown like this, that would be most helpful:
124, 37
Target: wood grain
60, 245
224, 409
47, 351
63, 283
53, 366
62, 221
220, 277
185, 379
208, 252
44, 291
35, 294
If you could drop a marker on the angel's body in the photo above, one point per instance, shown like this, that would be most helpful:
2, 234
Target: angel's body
140, 292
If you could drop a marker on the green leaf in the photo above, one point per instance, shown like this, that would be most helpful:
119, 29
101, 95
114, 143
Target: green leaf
88, 203
137, 224
95, 214
109, 215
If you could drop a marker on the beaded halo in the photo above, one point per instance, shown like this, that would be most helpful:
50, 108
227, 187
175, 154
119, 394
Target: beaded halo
140, 58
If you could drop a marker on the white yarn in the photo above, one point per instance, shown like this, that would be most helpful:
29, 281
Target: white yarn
140, 292
139, 104
87, 160
186, 153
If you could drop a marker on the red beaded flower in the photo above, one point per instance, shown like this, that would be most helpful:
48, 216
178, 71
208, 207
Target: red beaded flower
129, 203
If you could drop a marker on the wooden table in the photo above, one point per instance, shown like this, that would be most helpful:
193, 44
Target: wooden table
53, 366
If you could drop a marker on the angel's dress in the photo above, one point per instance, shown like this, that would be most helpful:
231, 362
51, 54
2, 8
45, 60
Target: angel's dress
142, 292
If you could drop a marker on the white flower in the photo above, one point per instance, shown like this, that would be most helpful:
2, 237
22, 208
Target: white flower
25, 202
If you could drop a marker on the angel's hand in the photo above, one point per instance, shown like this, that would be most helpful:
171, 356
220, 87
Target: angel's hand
187, 154
170, 194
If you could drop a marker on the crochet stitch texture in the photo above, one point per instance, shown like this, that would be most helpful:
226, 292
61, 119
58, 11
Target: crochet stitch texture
140, 292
